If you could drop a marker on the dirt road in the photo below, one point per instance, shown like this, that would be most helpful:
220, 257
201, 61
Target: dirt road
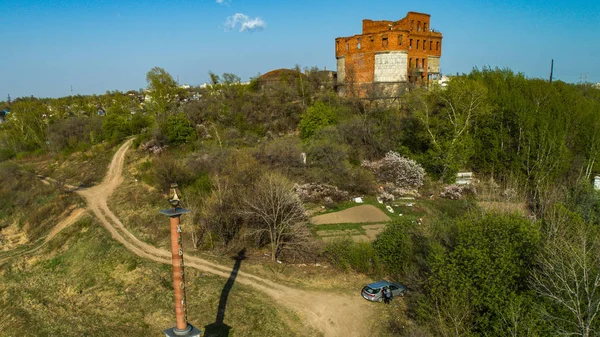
331, 314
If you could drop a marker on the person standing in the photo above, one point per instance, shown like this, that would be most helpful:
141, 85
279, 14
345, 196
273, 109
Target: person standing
386, 295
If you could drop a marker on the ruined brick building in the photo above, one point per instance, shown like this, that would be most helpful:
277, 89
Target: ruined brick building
389, 54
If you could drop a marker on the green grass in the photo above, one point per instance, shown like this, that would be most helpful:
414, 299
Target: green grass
342, 226
421, 207
336, 207
84, 283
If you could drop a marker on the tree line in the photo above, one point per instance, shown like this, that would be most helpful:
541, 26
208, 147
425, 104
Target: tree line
238, 149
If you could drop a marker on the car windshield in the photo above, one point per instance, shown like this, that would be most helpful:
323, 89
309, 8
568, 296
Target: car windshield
371, 290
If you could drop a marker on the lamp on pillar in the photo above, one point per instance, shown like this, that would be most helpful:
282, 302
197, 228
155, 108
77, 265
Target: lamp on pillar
183, 328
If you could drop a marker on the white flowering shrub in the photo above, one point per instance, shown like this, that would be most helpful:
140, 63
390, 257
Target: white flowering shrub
393, 168
456, 192
385, 196
320, 193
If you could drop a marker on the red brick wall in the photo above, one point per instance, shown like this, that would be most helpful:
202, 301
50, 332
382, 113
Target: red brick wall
381, 36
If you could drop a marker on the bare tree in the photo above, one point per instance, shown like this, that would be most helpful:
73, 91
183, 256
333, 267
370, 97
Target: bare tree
568, 274
277, 212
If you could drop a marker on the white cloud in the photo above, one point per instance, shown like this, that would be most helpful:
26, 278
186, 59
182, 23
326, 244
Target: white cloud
224, 2
244, 23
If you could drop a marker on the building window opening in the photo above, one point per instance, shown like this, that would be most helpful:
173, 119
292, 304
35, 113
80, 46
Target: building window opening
347, 46
437, 45
425, 26
418, 43
358, 45
384, 42
424, 44
430, 45
400, 39
418, 26
410, 44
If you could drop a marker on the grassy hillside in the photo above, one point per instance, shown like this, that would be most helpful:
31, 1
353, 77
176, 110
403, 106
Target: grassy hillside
83, 283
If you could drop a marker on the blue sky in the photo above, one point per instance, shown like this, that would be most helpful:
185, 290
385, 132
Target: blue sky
94, 45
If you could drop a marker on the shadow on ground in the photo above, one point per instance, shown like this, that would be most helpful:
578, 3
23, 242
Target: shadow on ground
219, 328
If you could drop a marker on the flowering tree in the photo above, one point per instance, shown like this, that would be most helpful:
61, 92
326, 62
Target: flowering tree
393, 168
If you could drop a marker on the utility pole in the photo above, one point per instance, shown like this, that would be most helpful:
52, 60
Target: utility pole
8, 99
182, 328
551, 70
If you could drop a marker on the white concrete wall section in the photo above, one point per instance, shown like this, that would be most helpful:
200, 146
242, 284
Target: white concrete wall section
433, 64
390, 67
341, 69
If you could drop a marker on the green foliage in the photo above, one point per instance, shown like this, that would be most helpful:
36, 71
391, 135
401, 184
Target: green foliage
179, 130
346, 254
394, 247
486, 263
25, 129
316, 117
163, 90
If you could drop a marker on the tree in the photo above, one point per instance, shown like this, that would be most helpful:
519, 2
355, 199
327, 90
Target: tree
395, 169
162, 89
568, 274
277, 212
26, 126
179, 129
316, 117
486, 265
448, 117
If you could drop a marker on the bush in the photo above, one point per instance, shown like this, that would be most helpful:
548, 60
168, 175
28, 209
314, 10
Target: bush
319, 192
285, 152
180, 130
395, 247
393, 168
455, 192
345, 254
72, 132
315, 118
166, 170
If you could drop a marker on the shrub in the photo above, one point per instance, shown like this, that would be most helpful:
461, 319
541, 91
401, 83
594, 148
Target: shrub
180, 130
319, 192
394, 246
282, 152
315, 118
455, 192
166, 170
345, 254
393, 168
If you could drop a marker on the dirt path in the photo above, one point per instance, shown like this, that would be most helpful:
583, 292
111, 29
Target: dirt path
362, 213
66, 222
333, 315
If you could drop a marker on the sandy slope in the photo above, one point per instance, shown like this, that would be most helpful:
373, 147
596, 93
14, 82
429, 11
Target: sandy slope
331, 314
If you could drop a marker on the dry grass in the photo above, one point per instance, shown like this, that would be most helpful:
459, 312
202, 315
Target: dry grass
83, 283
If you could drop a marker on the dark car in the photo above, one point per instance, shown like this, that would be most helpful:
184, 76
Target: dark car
372, 292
